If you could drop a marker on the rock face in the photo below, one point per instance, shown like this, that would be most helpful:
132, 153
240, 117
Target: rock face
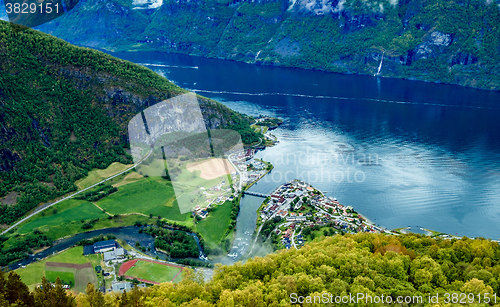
346, 36
434, 45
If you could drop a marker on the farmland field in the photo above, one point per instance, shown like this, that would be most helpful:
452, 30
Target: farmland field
97, 175
148, 196
130, 178
67, 211
67, 278
215, 225
33, 273
153, 271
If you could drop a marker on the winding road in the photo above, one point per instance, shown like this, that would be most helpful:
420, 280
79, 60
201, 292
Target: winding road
46, 206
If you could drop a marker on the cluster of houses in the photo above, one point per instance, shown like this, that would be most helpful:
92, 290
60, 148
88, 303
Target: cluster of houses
328, 212
203, 211
281, 198
246, 154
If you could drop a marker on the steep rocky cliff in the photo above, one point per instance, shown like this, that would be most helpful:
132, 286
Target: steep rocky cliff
454, 42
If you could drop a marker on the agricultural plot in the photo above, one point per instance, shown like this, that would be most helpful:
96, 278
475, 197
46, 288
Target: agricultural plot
67, 278
69, 265
97, 175
130, 178
214, 227
147, 196
211, 168
201, 183
81, 273
67, 211
150, 271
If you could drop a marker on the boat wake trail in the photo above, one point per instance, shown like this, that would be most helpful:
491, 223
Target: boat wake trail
168, 66
341, 98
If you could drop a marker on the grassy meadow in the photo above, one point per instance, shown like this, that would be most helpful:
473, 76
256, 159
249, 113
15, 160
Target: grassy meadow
67, 211
213, 228
97, 175
147, 196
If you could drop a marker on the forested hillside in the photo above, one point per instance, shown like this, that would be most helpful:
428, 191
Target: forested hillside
455, 41
372, 264
64, 110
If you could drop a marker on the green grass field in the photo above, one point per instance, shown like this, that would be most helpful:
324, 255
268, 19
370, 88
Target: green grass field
67, 278
97, 175
67, 211
153, 271
32, 274
179, 277
215, 225
73, 255
148, 196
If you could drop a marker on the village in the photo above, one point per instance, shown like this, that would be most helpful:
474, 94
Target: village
299, 212
246, 171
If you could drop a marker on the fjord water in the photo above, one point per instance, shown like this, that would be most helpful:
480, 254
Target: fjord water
400, 152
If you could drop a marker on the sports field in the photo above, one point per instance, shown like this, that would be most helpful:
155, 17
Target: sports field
150, 271
215, 225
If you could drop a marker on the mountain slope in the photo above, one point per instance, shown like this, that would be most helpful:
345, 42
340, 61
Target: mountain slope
454, 42
64, 110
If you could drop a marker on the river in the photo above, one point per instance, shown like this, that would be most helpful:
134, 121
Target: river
130, 234
400, 152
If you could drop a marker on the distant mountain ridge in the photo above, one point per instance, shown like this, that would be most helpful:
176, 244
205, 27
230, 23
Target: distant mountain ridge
455, 42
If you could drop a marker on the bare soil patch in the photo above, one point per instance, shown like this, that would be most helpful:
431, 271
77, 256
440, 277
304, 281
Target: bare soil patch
10, 199
211, 168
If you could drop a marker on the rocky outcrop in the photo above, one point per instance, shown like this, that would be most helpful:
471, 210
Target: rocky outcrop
433, 45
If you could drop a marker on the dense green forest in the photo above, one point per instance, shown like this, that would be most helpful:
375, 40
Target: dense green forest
177, 244
64, 110
372, 264
455, 41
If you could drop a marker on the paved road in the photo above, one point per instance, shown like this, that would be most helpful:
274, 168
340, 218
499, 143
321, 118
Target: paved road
46, 206
236, 168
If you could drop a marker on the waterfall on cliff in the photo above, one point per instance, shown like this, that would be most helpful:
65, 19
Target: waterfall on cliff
380, 65
255, 60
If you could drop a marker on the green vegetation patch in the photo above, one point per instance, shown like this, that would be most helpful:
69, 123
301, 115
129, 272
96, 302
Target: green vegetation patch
214, 226
147, 196
66, 211
32, 274
97, 175
67, 278
153, 271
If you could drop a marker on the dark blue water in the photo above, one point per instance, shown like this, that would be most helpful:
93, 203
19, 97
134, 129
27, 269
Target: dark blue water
400, 152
